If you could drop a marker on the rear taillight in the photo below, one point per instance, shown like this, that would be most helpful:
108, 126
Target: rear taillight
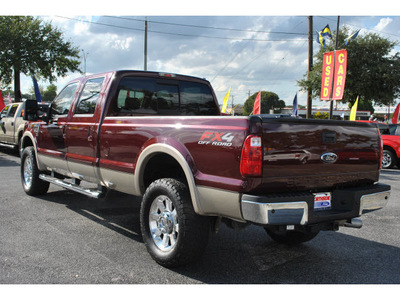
251, 160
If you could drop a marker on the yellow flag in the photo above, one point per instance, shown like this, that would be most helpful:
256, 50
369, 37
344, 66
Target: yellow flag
226, 98
354, 111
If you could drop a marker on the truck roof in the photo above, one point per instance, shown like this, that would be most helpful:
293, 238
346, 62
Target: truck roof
151, 74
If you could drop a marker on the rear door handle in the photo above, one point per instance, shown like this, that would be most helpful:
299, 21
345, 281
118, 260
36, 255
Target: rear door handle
90, 137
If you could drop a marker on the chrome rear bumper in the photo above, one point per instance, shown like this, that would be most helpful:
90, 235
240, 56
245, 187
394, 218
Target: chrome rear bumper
298, 209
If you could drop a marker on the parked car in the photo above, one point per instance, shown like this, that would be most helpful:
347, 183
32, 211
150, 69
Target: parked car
391, 143
12, 123
394, 129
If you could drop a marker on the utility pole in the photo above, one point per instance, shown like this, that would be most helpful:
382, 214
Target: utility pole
310, 65
145, 44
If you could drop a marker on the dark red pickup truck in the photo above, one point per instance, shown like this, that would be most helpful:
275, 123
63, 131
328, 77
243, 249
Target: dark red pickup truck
161, 136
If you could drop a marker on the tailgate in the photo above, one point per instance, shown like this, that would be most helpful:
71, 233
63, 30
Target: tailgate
304, 154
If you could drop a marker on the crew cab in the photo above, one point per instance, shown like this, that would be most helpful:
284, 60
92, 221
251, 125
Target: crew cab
161, 137
12, 124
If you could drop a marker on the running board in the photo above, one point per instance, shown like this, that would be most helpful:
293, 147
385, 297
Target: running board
9, 146
93, 193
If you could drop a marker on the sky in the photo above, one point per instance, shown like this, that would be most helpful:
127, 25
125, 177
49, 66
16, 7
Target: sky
245, 47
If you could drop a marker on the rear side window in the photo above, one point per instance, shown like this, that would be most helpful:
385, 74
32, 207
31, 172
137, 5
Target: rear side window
134, 96
62, 103
196, 99
151, 96
167, 97
13, 110
89, 96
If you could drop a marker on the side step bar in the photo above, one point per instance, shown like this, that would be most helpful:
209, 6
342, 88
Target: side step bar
93, 193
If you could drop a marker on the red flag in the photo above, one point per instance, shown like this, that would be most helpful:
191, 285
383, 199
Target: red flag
340, 74
257, 104
2, 105
395, 117
327, 76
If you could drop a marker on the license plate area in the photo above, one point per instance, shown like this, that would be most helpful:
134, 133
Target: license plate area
322, 201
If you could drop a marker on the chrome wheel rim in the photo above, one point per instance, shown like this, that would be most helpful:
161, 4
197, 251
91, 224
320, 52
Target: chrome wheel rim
386, 160
28, 171
163, 223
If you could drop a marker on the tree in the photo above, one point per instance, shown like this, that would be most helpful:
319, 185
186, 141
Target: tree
269, 100
31, 46
373, 71
48, 94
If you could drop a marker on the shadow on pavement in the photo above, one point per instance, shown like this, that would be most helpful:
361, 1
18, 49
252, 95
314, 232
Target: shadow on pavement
250, 256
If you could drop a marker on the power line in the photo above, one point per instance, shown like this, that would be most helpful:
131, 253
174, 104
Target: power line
210, 27
357, 26
181, 34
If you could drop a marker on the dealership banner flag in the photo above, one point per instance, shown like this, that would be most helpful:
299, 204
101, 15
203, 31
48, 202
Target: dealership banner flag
353, 111
295, 112
327, 75
37, 91
340, 74
395, 116
2, 105
257, 104
225, 103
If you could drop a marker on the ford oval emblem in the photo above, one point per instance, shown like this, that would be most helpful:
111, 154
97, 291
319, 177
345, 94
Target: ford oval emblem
329, 157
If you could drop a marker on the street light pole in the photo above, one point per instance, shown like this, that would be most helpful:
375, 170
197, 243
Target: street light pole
145, 44
85, 55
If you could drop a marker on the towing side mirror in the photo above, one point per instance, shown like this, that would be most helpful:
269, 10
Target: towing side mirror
31, 110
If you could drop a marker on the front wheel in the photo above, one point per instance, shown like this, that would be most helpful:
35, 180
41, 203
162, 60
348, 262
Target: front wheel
290, 237
173, 233
31, 182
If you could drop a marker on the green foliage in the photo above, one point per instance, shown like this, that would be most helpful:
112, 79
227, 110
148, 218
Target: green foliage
50, 93
33, 47
269, 100
373, 71
319, 115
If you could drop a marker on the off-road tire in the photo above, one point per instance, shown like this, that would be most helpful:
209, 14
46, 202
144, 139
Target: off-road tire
31, 182
174, 235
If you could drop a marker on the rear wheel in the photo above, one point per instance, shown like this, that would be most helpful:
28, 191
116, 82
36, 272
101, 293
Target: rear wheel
173, 233
389, 159
31, 182
290, 237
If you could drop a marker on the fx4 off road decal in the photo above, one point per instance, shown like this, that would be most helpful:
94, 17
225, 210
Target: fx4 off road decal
215, 138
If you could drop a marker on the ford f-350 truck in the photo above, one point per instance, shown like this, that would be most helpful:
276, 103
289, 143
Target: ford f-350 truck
161, 136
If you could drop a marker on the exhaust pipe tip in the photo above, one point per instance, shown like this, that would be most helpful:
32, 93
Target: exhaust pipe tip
354, 223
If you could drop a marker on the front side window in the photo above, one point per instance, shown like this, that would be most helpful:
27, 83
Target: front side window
62, 103
4, 112
89, 96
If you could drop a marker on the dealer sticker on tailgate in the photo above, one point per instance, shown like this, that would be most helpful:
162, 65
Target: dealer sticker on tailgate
322, 201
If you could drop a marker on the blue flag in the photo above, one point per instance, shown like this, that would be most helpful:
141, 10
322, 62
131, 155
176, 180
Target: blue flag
37, 92
351, 37
295, 112
326, 32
